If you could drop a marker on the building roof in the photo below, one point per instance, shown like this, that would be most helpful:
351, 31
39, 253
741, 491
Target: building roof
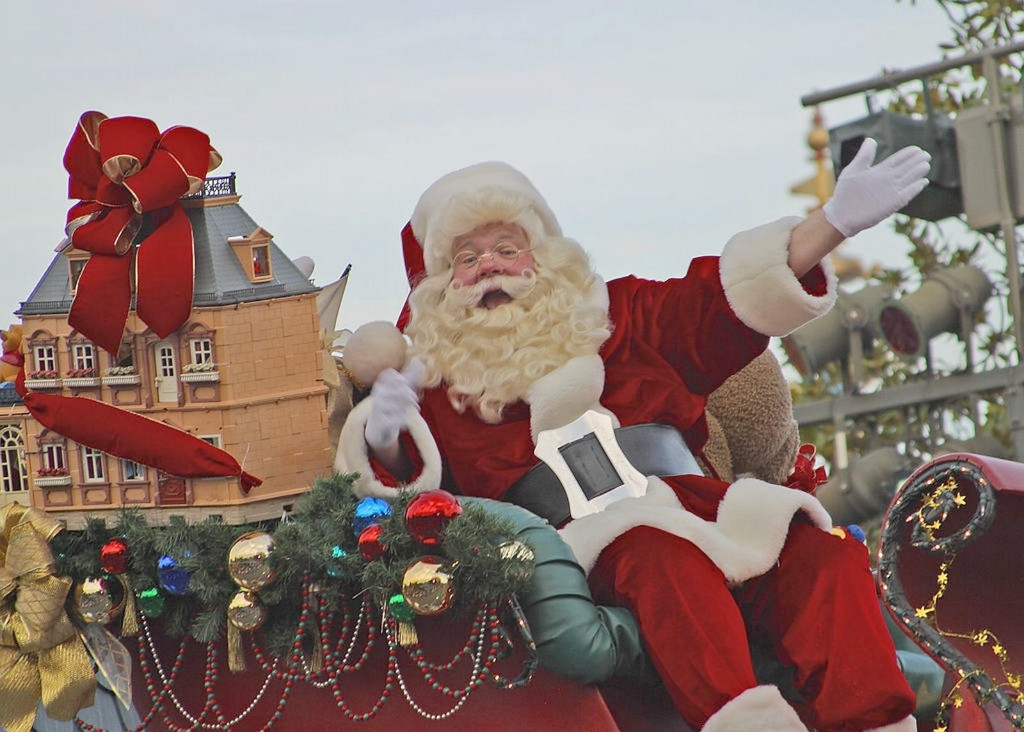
219, 277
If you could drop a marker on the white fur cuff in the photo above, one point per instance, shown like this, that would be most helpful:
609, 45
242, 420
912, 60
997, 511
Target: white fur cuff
353, 454
762, 289
761, 709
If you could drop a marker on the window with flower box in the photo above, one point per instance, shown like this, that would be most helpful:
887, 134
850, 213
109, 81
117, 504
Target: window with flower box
53, 466
44, 358
202, 351
94, 465
122, 373
83, 360
53, 461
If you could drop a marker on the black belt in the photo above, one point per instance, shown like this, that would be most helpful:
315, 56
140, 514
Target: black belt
653, 449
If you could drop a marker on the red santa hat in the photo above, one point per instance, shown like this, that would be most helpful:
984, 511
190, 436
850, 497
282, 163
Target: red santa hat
464, 199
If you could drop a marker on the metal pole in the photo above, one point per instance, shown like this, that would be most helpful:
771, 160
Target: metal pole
998, 115
999, 122
890, 79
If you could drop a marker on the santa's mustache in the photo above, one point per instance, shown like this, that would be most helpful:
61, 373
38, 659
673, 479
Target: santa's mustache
469, 296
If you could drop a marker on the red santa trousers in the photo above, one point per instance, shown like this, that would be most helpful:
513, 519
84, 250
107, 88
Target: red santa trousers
817, 608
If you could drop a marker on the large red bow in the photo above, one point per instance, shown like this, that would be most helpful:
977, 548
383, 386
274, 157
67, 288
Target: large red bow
805, 476
129, 175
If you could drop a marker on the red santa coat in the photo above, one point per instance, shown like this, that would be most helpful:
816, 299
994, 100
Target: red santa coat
673, 342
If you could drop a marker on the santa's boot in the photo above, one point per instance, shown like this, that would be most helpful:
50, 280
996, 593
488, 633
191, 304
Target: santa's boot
761, 709
907, 724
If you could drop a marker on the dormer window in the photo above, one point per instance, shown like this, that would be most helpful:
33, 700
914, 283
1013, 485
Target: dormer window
75, 266
253, 253
260, 261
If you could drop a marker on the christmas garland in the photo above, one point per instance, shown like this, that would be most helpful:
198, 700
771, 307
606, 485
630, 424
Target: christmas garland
418, 554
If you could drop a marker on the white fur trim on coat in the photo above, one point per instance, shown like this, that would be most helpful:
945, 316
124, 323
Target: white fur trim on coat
353, 454
744, 542
561, 396
761, 709
762, 289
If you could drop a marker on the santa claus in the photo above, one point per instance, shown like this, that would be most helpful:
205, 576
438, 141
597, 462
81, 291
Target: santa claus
535, 381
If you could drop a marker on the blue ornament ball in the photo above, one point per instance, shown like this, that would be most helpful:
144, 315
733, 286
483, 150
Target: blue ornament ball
171, 577
369, 511
856, 532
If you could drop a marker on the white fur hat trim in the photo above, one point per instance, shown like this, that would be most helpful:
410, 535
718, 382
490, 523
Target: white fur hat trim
430, 219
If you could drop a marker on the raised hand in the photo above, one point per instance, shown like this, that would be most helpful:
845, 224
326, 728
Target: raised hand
867, 193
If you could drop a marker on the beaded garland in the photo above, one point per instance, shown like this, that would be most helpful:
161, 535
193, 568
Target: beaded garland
925, 504
483, 650
342, 614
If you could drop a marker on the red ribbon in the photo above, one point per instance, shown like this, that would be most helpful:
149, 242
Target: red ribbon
805, 476
131, 436
128, 175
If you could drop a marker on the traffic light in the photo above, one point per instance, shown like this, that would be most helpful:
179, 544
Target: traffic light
933, 132
946, 302
842, 334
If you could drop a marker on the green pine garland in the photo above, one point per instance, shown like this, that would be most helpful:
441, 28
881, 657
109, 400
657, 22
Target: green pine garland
306, 545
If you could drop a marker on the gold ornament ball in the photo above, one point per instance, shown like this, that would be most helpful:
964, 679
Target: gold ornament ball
517, 551
249, 560
817, 138
245, 611
427, 586
93, 601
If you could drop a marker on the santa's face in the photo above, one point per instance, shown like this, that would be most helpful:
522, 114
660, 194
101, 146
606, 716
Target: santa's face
486, 258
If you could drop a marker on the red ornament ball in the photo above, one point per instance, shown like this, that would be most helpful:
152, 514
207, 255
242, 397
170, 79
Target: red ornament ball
114, 556
369, 543
428, 514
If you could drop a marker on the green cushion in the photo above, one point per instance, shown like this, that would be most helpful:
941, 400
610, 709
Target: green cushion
575, 638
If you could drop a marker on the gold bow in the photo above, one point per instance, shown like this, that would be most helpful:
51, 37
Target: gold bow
42, 656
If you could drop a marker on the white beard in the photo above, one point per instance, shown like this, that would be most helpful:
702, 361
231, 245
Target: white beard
490, 358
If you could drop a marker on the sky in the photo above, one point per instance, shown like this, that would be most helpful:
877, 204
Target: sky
655, 129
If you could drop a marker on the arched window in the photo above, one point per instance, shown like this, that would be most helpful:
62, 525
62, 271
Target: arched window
12, 460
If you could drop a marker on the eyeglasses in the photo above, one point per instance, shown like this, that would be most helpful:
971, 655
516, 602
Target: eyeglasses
468, 260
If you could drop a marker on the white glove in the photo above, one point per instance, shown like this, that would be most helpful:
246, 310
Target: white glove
865, 194
393, 395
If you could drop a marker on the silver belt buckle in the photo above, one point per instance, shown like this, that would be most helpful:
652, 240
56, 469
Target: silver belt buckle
587, 460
